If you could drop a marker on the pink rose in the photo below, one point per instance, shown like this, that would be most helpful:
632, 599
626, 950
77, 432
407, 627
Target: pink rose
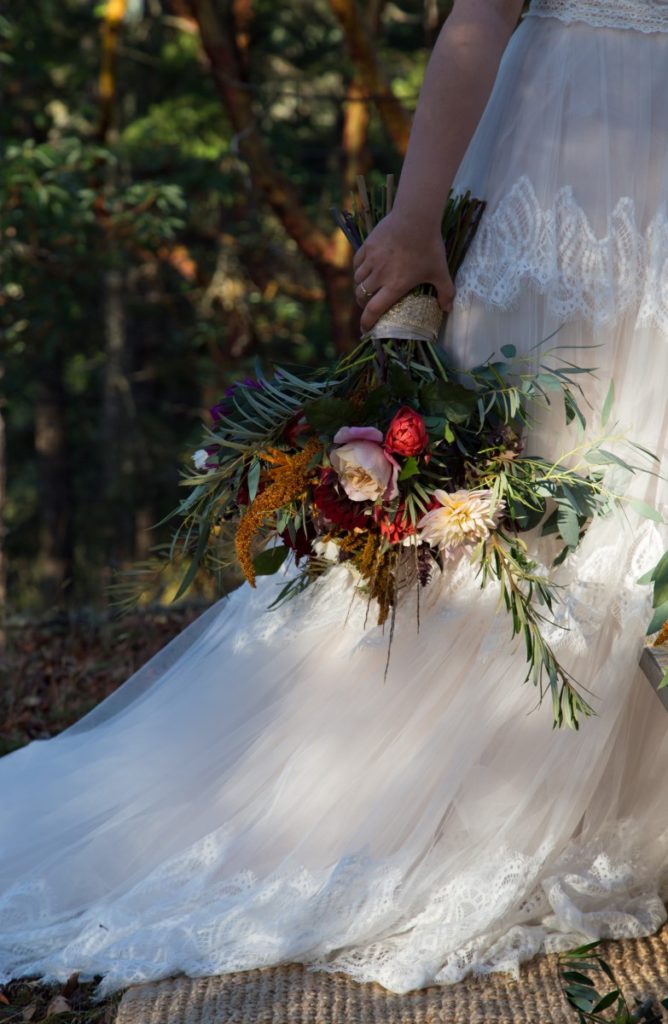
345, 434
366, 471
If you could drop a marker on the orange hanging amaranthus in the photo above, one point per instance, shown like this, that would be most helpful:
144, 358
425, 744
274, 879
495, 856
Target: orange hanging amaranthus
289, 475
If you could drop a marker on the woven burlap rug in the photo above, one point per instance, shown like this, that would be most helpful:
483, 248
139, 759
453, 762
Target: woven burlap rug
293, 995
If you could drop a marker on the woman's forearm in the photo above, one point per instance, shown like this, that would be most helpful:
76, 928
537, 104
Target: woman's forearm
406, 247
456, 87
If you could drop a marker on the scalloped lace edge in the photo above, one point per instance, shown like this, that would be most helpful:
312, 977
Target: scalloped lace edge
557, 252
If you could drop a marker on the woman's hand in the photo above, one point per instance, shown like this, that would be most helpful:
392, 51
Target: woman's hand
396, 257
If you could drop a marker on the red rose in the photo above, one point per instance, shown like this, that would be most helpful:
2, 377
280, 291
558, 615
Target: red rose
394, 529
406, 434
336, 506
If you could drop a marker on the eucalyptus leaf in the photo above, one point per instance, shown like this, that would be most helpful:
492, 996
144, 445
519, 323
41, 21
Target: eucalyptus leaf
254, 479
659, 573
648, 511
448, 399
270, 560
549, 382
525, 516
561, 557
607, 404
551, 525
661, 569
602, 457
659, 577
584, 950
327, 415
607, 1001
573, 411
568, 525
202, 542
660, 593
578, 977
577, 497
659, 618
283, 517
607, 969
579, 999
290, 589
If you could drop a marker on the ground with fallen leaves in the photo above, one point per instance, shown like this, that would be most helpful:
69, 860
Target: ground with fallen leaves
55, 670
58, 668
70, 1003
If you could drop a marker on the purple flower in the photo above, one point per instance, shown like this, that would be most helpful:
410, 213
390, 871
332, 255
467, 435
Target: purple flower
219, 410
224, 408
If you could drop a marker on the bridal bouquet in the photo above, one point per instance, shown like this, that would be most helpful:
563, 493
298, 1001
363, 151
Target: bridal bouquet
397, 466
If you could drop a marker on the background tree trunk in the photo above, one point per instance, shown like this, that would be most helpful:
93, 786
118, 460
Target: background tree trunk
224, 27
363, 50
119, 426
56, 532
3, 501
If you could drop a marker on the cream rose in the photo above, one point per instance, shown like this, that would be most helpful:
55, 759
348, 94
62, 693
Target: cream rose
366, 471
464, 519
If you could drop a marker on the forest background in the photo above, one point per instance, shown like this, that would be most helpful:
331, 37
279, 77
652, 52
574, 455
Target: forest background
167, 176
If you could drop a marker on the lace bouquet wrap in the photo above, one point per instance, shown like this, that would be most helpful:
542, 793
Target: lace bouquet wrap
396, 465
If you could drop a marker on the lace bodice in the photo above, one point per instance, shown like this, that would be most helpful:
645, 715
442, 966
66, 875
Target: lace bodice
642, 15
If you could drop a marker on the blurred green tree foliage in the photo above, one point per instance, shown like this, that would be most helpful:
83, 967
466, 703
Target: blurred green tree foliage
167, 173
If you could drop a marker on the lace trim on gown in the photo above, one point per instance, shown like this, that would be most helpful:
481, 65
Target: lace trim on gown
558, 252
642, 15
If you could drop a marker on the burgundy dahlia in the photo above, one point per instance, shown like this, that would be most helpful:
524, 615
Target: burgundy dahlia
302, 545
336, 506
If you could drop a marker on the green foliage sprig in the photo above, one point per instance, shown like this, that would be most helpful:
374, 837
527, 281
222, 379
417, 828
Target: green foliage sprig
657, 578
578, 969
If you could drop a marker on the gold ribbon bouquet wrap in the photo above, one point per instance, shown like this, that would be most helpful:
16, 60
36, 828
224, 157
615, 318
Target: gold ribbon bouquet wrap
413, 318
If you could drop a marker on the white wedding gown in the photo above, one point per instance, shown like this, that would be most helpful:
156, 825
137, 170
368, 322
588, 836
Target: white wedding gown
257, 794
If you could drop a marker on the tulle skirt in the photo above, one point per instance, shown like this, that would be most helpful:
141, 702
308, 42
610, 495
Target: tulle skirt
258, 793
571, 158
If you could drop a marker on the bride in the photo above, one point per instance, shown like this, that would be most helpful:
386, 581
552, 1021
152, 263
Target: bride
256, 794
